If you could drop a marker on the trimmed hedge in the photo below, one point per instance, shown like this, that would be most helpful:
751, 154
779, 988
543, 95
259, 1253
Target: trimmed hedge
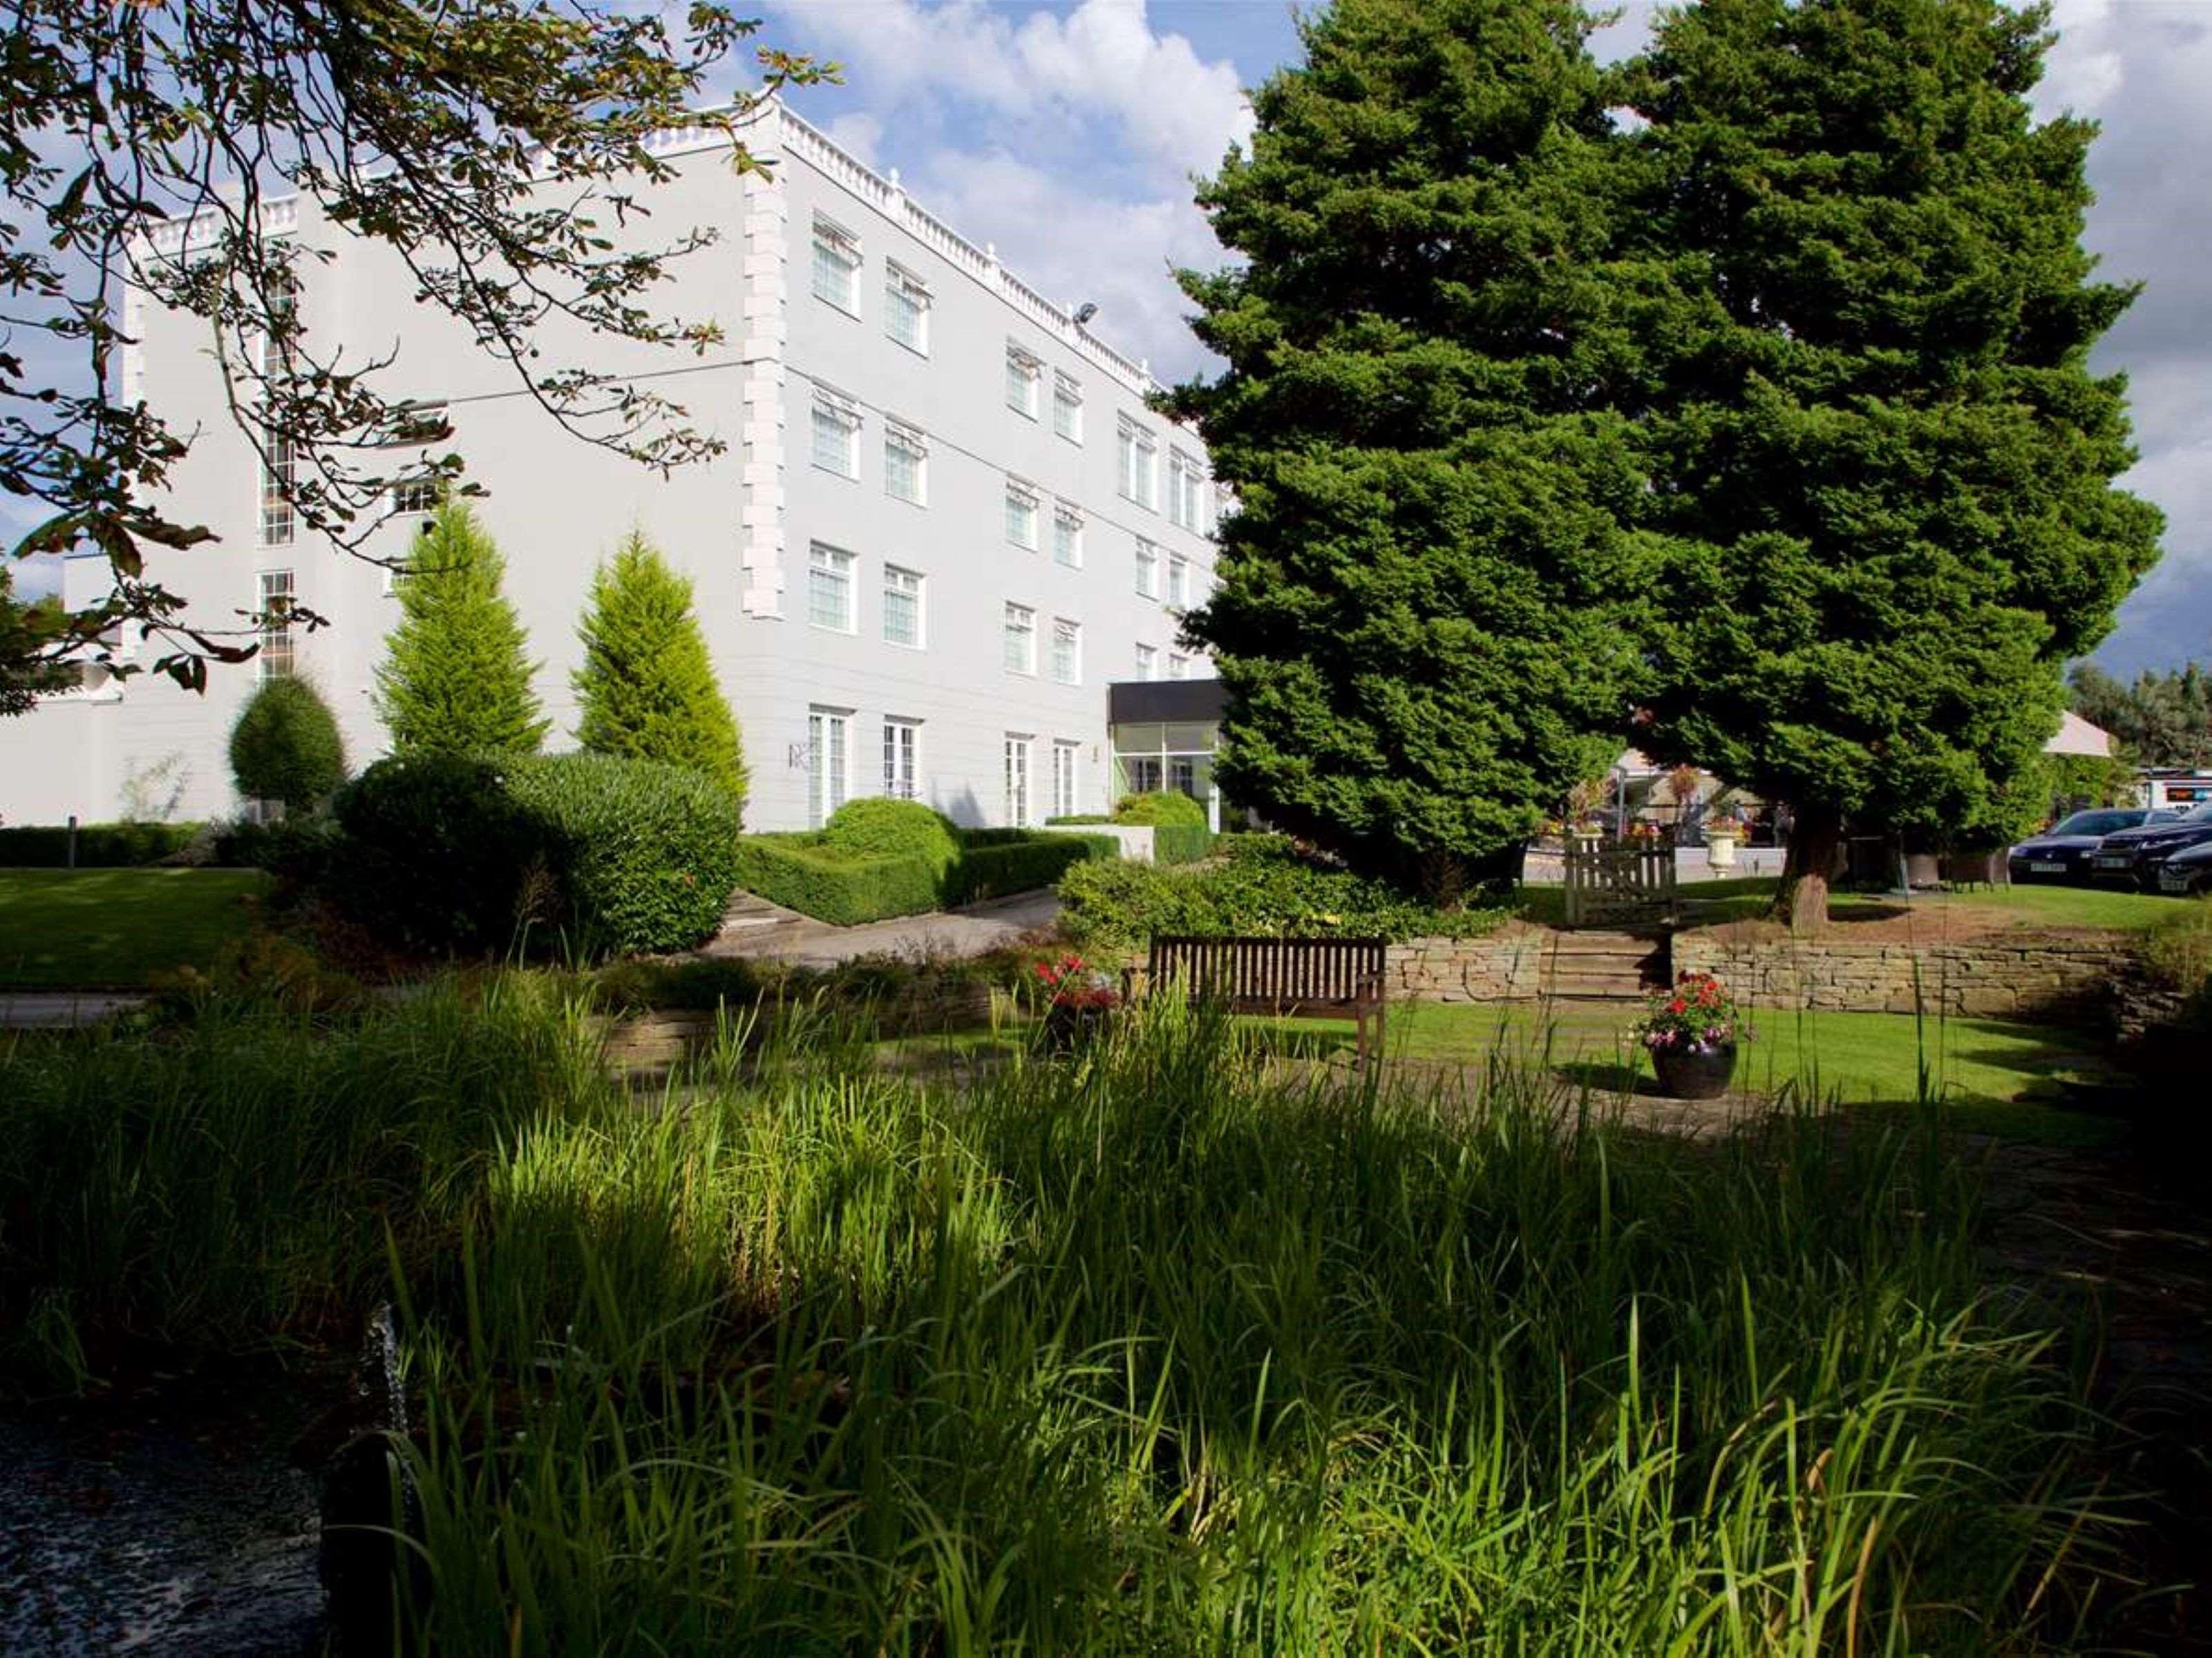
806, 873
99, 846
878, 828
465, 850
1181, 843
1161, 806
801, 873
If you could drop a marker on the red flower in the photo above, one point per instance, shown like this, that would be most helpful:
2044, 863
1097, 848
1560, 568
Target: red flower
1678, 1006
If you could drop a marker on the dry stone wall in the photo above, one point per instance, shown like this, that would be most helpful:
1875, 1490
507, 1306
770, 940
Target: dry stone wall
2054, 976
1502, 967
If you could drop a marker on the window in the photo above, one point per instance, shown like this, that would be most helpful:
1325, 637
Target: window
1148, 569
1024, 372
1064, 756
1186, 491
1066, 536
836, 434
1178, 582
279, 356
1067, 406
1143, 773
413, 497
906, 308
1139, 455
902, 770
836, 265
1066, 651
906, 463
1018, 778
275, 593
829, 588
829, 758
1021, 639
1178, 665
1021, 514
1148, 663
902, 607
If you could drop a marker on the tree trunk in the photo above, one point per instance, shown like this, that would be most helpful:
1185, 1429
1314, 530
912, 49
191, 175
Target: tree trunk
1802, 901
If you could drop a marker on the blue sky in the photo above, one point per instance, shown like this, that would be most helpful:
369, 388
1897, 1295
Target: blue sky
1066, 134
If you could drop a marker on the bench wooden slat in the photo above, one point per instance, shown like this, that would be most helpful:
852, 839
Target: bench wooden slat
1308, 978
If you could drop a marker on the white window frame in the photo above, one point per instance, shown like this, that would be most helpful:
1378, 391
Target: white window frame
1067, 637
905, 292
834, 410
1066, 774
1024, 380
279, 521
901, 754
1024, 504
829, 762
907, 584
1068, 535
1018, 626
412, 497
1178, 665
833, 239
278, 658
1019, 795
1067, 406
1148, 569
1137, 468
823, 559
1184, 478
1148, 661
913, 442
1178, 582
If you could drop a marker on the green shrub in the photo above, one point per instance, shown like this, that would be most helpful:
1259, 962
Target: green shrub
1261, 887
456, 677
307, 850
1078, 818
460, 852
99, 846
1160, 806
801, 873
1181, 843
641, 855
877, 827
285, 747
992, 869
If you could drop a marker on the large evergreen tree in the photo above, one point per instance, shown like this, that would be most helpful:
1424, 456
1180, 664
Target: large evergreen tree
1874, 441
2162, 719
1421, 597
646, 686
456, 675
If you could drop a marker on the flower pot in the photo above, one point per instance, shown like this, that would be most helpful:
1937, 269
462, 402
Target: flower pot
1694, 1073
1720, 851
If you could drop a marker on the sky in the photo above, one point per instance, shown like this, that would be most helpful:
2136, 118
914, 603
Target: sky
1067, 133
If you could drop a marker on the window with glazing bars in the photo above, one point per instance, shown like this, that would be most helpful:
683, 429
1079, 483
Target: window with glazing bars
1023, 373
1066, 651
829, 588
1066, 536
1021, 515
1067, 407
1064, 756
902, 772
836, 266
902, 607
836, 437
906, 309
906, 463
1021, 639
274, 593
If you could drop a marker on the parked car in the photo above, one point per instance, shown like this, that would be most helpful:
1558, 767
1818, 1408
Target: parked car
2134, 857
2062, 852
2189, 870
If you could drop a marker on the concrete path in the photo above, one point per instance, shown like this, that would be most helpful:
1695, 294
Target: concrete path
61, 1010
968, 932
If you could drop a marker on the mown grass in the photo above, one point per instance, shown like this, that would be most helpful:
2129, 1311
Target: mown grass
1160, 1350
117, 928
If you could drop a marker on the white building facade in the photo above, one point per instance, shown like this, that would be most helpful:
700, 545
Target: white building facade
944, 521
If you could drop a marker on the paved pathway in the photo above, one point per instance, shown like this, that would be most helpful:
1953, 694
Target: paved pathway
61, 1010
968, 932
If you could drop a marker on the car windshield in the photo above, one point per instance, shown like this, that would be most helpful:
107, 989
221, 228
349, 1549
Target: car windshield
2098, 823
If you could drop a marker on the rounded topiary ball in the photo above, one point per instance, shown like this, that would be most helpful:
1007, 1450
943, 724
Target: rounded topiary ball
285, 746
1161, 808
878, 828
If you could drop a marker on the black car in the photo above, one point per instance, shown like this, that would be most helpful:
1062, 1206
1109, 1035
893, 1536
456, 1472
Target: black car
2133, 857
2188, 871
2062, 852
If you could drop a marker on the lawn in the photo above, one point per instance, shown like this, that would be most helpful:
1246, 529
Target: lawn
1709, 903
115, 928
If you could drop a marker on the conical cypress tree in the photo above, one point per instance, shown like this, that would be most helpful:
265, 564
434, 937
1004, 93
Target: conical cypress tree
1878, 452
647, 687
1424, 612
456, 678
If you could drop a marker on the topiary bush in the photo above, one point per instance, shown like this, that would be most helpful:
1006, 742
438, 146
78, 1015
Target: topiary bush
994, 869
642, 856
878, 828
285, 747
1181, 843
435, 853
1160, 806
801, 873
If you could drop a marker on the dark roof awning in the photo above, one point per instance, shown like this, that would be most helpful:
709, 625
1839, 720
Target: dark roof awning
1146, 701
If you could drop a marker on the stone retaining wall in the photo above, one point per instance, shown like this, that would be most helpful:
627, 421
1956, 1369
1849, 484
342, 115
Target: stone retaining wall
2068, 977
1504, 967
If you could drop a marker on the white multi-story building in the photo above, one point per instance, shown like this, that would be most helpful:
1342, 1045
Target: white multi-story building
944, 523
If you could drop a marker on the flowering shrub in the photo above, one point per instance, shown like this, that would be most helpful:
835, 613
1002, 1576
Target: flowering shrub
1073, 984
1726, 824
1695, 1017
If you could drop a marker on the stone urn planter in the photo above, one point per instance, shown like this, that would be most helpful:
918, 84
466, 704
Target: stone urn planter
1720, 851
1694, 1073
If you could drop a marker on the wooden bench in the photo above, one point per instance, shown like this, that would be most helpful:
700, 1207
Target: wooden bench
1285, 978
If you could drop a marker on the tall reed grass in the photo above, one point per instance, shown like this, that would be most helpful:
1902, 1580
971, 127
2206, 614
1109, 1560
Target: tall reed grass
1164, 1349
